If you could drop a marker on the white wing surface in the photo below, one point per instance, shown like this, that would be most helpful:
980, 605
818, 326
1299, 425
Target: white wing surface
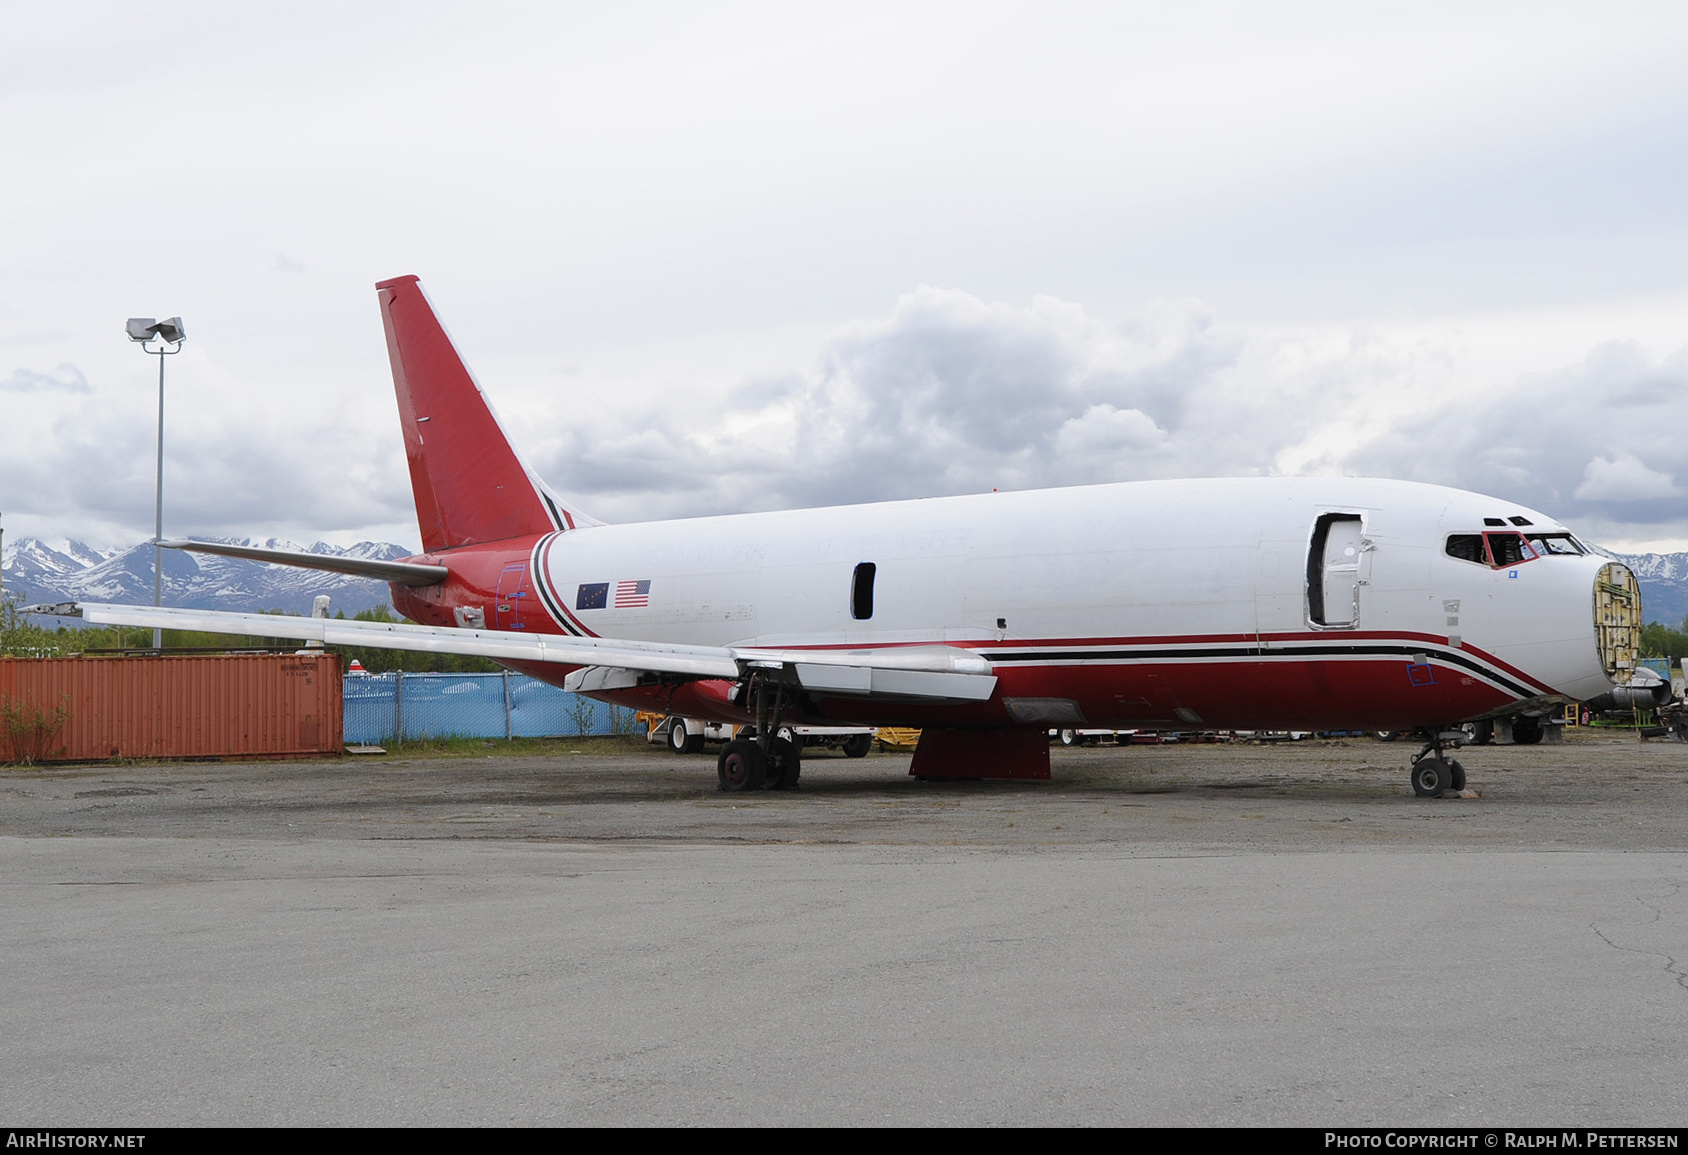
938, 673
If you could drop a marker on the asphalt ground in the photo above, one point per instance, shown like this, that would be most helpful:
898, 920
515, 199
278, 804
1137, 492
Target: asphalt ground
593, 934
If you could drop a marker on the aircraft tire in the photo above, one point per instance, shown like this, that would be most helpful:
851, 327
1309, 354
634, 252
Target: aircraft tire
1456, 775
678, 740
857, 745
1430, 777
785, 764
741, 766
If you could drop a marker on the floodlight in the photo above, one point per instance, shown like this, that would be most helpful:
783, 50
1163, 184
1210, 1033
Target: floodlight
144, 329
170, 334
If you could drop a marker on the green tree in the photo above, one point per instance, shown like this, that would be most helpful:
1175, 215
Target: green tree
382, 661
22, 637
1660, 641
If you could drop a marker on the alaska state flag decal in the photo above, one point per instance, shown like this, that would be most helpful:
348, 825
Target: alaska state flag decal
592, 596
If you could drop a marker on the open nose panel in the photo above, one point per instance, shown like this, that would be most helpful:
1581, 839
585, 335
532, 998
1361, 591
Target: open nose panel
1617, 619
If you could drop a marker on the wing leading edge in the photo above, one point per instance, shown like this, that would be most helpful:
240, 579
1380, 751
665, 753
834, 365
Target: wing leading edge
936, 673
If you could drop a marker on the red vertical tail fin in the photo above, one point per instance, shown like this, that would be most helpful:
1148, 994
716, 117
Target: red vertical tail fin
470, 484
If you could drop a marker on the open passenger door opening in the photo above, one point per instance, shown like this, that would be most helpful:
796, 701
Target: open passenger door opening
1333, 571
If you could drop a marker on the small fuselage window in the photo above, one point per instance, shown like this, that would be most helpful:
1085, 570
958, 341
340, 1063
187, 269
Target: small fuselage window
861, 591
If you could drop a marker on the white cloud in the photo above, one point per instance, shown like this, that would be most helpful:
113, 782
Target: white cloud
951, 393
63, 379
948, 394
1624, 478
1569, 441
576, 183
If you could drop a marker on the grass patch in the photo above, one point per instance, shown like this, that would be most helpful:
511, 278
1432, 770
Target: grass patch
30, 733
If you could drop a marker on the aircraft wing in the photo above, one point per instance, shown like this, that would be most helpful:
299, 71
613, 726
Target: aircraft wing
935, 673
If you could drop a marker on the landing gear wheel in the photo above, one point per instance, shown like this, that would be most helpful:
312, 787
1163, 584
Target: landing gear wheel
1526, 731
785, 764
1431, 777
742, 766
1456, 776
681, 742
857, 745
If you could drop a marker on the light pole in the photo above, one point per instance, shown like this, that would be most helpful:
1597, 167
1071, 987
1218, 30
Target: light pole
169, 336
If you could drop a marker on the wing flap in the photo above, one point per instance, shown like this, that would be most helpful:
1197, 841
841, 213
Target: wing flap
873, 681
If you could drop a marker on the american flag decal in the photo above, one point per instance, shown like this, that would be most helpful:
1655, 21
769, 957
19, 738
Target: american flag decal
630, 595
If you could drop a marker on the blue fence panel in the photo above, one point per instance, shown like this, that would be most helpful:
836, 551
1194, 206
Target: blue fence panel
371, 714
471, 706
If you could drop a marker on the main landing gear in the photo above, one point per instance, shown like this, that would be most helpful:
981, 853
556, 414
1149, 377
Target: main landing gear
765, 758
1433, 773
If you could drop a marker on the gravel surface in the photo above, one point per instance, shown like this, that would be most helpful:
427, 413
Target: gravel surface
1597, 791
593, 934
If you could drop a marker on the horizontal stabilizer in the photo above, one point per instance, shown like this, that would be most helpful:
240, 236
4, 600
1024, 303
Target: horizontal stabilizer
408, 573
932, 673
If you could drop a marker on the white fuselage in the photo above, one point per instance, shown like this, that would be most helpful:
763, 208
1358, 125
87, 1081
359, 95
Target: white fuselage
1126, 599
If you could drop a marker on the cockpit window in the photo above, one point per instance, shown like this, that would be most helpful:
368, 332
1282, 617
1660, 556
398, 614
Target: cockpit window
1509, 549
1547, 544
1468, 547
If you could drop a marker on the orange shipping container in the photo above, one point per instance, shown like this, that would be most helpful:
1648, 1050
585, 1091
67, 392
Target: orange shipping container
214, 706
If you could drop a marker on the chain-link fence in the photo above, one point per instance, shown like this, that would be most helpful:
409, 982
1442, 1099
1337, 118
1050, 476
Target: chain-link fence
383, 707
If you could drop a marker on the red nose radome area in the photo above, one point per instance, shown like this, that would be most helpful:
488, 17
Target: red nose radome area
470, 484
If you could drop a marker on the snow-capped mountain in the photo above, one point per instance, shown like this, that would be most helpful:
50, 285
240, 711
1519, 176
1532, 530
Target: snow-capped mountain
31, 561
1664, 584
38, 572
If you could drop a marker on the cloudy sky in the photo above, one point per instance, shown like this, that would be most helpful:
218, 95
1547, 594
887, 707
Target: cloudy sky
718, 257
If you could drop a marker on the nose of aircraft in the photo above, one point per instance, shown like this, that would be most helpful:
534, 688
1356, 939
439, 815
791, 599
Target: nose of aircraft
1617, 619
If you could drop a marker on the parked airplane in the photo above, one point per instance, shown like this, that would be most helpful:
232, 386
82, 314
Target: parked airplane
1261, 603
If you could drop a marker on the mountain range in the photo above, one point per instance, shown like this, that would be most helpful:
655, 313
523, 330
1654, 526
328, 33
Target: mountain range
1664, 584
35, 571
